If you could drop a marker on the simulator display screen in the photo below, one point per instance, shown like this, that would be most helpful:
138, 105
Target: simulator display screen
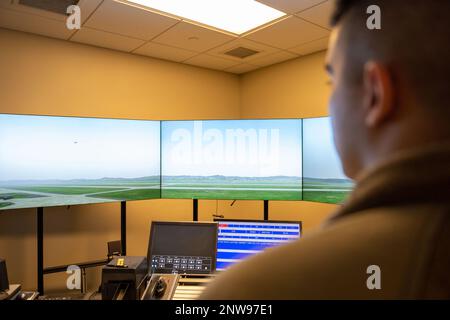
232, 159
323, 178
56, 161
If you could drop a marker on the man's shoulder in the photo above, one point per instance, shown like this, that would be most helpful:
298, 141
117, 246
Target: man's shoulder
333, 262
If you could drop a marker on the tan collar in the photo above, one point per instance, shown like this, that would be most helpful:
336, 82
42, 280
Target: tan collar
407, 177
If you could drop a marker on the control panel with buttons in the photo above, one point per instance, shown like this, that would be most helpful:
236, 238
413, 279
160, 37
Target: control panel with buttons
181, 264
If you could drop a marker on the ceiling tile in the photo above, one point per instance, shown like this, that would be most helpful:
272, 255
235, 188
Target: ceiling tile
129, 20
320, 14
288, 33
206, 61
192, 37
106, 39
290, 6
261, 48
311, 47
86, 6
26, 22
161, 51
242, 68
274, 58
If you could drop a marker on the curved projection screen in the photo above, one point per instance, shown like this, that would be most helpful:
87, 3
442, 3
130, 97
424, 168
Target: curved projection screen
232, 159
323, 178
55, 161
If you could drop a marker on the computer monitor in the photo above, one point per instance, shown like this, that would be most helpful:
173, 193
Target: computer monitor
182, 247
239, 239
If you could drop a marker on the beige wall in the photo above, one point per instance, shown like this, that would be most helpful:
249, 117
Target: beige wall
46, 76
293, 89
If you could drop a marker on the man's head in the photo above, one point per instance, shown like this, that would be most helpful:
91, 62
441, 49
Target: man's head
391, 87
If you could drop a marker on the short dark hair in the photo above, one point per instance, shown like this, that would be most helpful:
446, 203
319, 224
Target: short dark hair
342, 6
413, 41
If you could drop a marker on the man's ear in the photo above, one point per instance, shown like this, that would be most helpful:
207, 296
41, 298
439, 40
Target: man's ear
378, 94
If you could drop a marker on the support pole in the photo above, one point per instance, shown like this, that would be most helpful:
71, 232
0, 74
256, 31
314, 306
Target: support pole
266, 210
40, 250
195, 210
123, 227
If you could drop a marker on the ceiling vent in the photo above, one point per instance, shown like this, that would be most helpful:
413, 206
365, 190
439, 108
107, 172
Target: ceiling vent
56, 6
241, 52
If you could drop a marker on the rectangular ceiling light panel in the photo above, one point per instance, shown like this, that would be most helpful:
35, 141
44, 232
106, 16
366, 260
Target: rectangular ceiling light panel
235, 16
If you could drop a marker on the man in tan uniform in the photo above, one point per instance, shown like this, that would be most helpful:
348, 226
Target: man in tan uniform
391, 120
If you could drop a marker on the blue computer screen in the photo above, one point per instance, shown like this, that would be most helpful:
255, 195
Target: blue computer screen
239, 239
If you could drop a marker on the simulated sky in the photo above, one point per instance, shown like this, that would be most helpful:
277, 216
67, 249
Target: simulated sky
63, 148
